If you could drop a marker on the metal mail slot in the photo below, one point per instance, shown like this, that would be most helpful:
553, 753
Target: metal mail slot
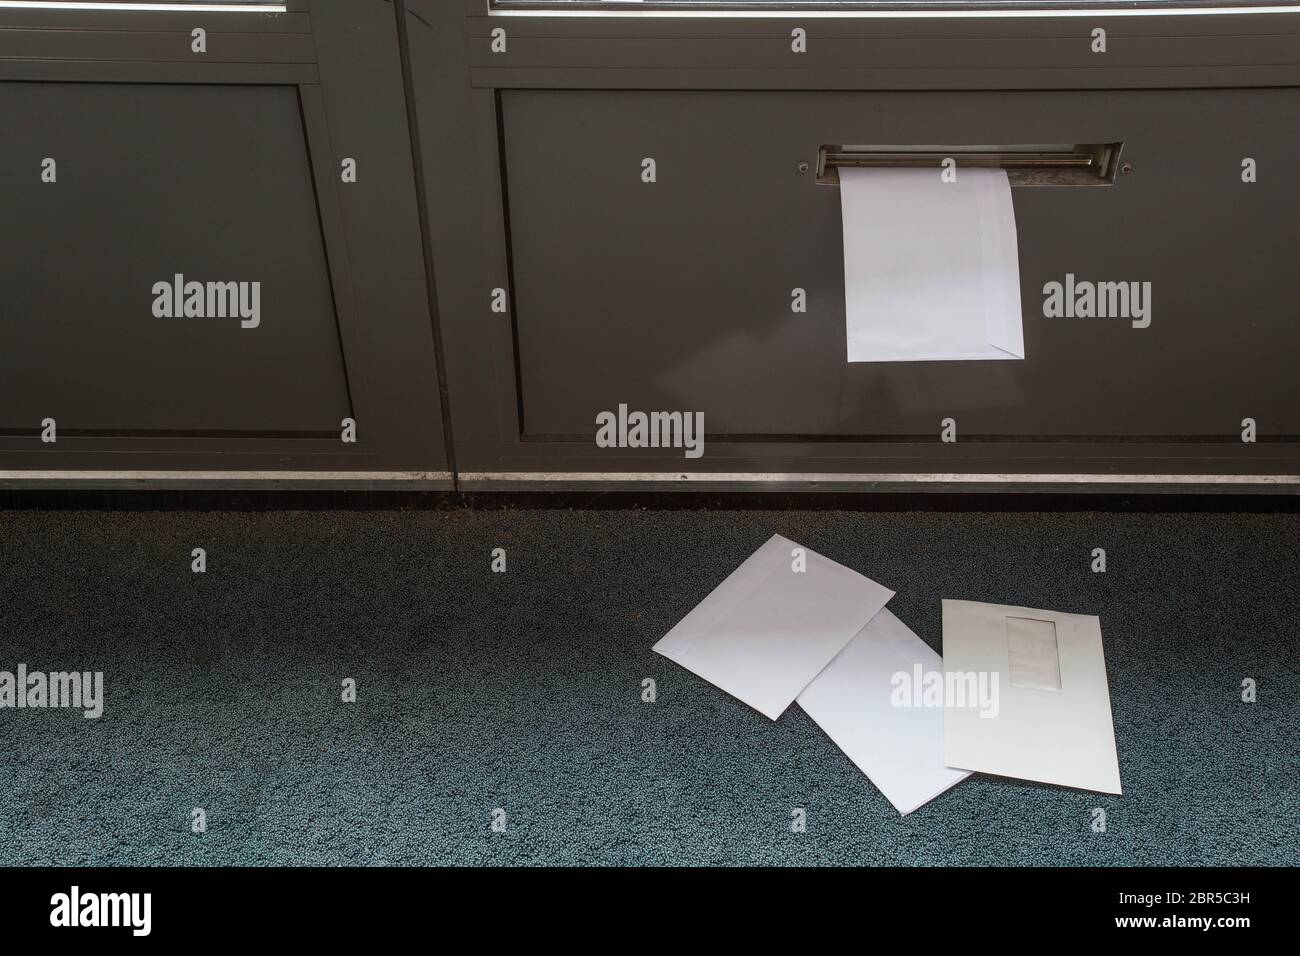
1093, 164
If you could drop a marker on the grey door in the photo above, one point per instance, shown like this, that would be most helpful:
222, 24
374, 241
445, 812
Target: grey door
676, 295
211, 150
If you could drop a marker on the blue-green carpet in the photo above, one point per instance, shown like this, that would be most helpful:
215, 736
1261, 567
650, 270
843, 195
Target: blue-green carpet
522, 691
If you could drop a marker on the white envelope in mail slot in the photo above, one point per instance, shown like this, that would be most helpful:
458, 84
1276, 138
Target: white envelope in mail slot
931, 268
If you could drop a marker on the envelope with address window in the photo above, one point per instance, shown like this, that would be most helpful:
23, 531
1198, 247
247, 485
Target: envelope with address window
1053, 720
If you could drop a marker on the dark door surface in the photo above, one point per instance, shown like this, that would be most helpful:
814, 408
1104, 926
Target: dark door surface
209, 182
677, 294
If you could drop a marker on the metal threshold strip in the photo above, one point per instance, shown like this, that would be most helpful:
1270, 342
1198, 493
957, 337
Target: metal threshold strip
1280, 482
883, 11
444, 479
225, 479
144, 7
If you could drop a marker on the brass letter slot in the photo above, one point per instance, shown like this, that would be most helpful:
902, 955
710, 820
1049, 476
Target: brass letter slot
1055, 165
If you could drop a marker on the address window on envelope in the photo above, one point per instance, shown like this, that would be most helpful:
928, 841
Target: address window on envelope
1032, 655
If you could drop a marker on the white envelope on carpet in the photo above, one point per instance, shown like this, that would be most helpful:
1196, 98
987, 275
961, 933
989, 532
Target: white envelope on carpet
931, 268
1053, 720
866, 703
774, 624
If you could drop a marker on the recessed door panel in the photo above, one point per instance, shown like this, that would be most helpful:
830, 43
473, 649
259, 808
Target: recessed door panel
676, 294
151, 182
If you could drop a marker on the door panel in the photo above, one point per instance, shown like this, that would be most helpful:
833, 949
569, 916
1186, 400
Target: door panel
676, 295
212, 183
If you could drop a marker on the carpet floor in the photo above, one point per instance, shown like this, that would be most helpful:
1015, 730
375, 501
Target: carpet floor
522, 691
